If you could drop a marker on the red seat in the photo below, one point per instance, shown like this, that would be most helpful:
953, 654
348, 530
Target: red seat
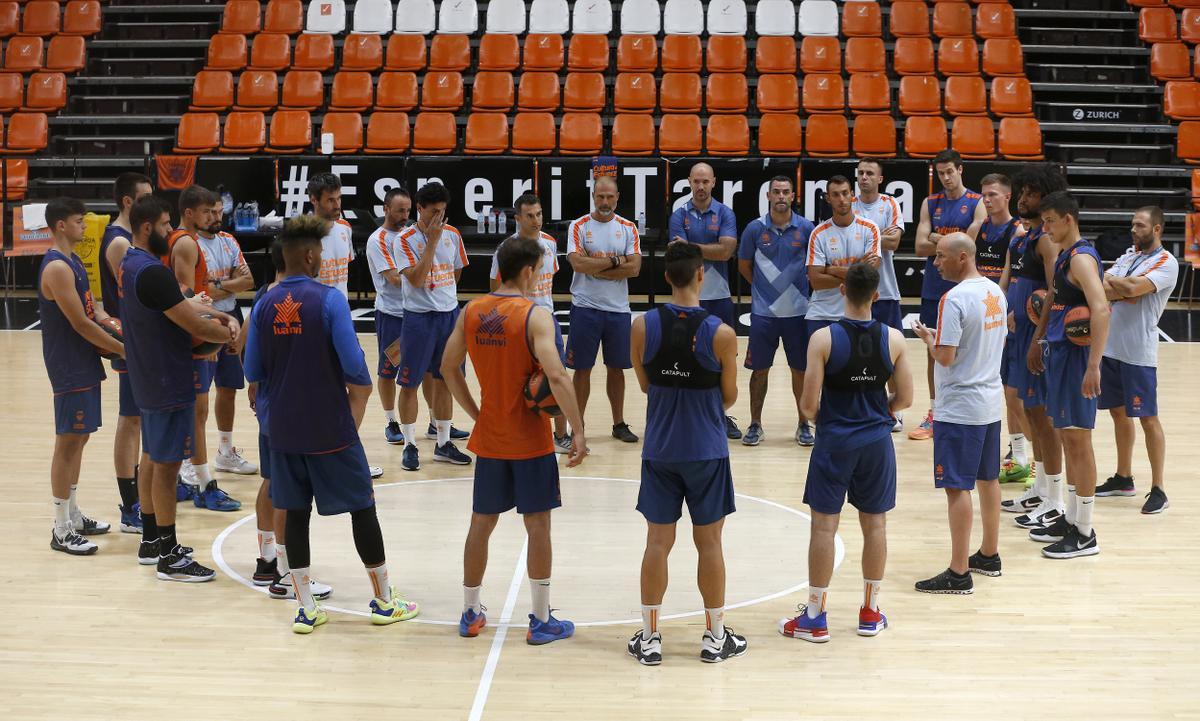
679, 135
257, 90
861, 19
16, 179
67, 54
774, 54
1181, 100
225, 52
291, 132
271, 51
434, 134
441, 91
539, 92
1189, 26
637, 93
241, 17
680, 93
494, 91
347, 131
1157, 25
779, 94
46, 92
199, 133
1003, 56
1170, 61
580, 134
496, 52
245, 132
827, 136
681, 54
284, 16
925, 136
303, 90
995, 20
920, 95
637, 54
824, 94
913, 56
487, 134
12, 92
313, 52
865, 55
542, 52
725, 54
973, 137
407, 52
584, 92
875, 136
633, 134
41, 18
397, 91
952, 20
727, 93
82, 17
1196, 62
387, 133
869, 93
1020, 139
1011, 97
362, 52
10, 19
966, 95
588, 54
780, 134
1187, 142
534, 134
820, 55
212, 90
727, 135
352, 91
958, 56
27, 133
909, 19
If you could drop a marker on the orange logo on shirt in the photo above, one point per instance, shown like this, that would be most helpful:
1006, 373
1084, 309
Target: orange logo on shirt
1137, 402
991, 305
938, 472
287, 317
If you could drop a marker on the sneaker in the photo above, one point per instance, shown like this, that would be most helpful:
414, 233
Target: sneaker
1156, 501
85, 526
449, 453
1040, 517
552, 629
72, 543
304, 624
804, 434
1117, 486
732, 432
984, 565
947, 582
185, 491
648, 652
214, 499
265, 571
1007, 456
1052, 532
716, 650
176, 566
411, 460
131, 518
471, 623
562, 444
923, 432
375, 471
1073, 545
385, 613
622, 433
754, 435
805, 628
232, 462
281, 587
1024, 503
898, 425
871, 623
148, 552
392, 433
1012, 472
187, 473
455, 434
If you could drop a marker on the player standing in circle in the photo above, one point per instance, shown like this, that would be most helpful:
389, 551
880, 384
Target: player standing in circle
967, 347
1139, 284
953, 210
509, 337
851, 363
686, 363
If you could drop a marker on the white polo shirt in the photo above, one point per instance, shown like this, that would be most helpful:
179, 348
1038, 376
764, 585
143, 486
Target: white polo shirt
832, 245
594, 239
337, 250
972, 317
383, 248
439, 293
1133, 329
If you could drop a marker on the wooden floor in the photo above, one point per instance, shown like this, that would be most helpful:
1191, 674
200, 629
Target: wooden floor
98, 637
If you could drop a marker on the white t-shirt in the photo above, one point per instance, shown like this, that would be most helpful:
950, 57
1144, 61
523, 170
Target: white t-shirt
1133, 328
591, 238
884, 213
222, 255
439, 293
972, 316
337, 250
836, 246
543, 287
382, 250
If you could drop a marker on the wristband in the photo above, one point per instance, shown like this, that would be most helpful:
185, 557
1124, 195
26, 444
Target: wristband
612, 259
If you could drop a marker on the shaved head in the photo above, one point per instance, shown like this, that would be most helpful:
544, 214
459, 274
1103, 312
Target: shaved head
958, 243
701, 169
955, 257
604, 180
701, 180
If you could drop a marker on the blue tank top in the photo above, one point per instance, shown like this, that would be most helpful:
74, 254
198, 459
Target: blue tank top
854, 399
1066, 294
261, 402
991, 247
305, 383
1025, 276
946, 216
109, 288
684, 424
71, 361
158, 352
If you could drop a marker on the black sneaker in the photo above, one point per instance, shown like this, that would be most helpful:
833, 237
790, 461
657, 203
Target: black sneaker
1117, 486
1156, 501
1073, 545
85, 526
72, 543
947, 582
264, 571
622, 433
449, 453
716, 650
1051, 533
648, 652
148, 553
1039, 517
732, 432
984, 565
176, 566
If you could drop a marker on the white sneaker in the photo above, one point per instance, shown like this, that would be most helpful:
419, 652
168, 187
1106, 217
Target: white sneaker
232, 462
562, 444
898, 427
1026, 502
187, 473
282, 588
72, 543
1045, 514
376, 471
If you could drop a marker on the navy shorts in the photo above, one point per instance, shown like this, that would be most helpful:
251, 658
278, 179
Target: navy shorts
765, 334
867, 475
423, 338
721, 308
167, 435
707, 486
1006, 358
1124, 384
929, 312
1066, 364
77, 412
229, 373
964, 454
264, 456
888, 313
126, 405
340, 482
559, 343
1029, 386
528, 484
387, 332
591, 328
203, 372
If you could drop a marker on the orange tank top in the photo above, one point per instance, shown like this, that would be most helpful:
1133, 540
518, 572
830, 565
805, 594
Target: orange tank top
496, 328
201, 276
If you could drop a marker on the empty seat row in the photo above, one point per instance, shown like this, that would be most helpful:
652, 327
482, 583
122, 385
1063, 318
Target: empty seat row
66, 54
45, 92
1172, 61
1161, 25
1163, 3
911, 18
44, 18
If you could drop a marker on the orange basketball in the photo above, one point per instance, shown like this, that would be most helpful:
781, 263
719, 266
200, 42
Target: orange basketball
539, 397
1077, 325
203, 348
1033, 306
112, 327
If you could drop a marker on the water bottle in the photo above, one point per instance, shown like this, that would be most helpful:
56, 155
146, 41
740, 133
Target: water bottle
226, 203
253, 216
642, 223
237, 216
491, 221
480, 221
502, 226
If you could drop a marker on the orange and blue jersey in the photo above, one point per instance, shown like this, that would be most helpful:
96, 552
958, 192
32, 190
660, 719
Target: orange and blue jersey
946, 215
854, 399
991, 247
1066, 294
71, 361
200, 282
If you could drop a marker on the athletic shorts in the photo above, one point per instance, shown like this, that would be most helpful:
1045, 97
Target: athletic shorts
387, 331
77, 412
888, 313
229, 373
167, 435
591, 328
866, 475
559, 343
339, 482
126, 405
528, 484
203, 372
963, 454
929, 312
721, 308
1029, 386
1007, 358
707, 486
1066, 364
264, 455
765, 334
423, 338
1124, 384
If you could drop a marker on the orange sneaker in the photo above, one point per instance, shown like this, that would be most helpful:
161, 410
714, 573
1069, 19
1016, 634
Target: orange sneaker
923, 432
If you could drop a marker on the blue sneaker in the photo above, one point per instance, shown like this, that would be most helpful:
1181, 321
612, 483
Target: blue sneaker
131, 518
411, 460
392, 434
754, 435
448, 453
803, 627
472, 623
542, 632
186, 491
804, 434
871, 623
455, 434
214, 499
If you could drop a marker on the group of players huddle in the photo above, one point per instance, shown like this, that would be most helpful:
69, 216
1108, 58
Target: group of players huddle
828, 292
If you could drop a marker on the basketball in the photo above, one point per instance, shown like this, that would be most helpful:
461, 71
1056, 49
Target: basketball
1033, 306
1077, 325
112, 327
538, 395
204, 348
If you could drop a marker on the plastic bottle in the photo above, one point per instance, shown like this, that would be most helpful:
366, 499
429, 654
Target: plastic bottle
238, 210
480, 221
641, 223
491, 221
502, 226
253, 216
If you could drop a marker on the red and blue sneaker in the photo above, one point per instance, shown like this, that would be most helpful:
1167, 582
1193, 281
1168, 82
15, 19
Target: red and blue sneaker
871, 622
803, 627
471, 623
552, 629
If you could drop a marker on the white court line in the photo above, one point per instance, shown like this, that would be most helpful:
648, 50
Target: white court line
31, 327
493, 659
1163, 334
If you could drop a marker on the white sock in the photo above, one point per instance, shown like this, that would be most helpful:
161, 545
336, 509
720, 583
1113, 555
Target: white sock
203, 475
302, 584
72, 504
1071, 504
410, 433
539, 589
715, 619
1083, 514
281, 562
379, 582
62, 516
266, 545
1041, 484
1018, 448
390, 414
1057, 495
871, 593
225, 445
443, 432
649, 620
816, 600
471, 599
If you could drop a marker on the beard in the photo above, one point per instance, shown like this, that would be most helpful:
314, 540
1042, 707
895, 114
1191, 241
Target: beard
212, 229
158, 244
1028, 214
1143, 243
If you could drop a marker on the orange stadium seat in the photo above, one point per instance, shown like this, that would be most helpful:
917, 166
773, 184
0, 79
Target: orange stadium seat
820, 55
347, 131
257, 90
17, 177
973, 137
909, 19
779, 93
352, 90
449, 52
1181, 100
10, 19
271, 51
637, 54
827, 136
920, 95
46, 92
584, 92
313, 52
925, 136
199, 133
441, 91
407, 52
635, 93
12, 92
1189, 26
913, 56
1187, 142
952, 20
212, 90
291, 132
303, 90
27, 133
496, 52
995, 20
241, 17
588, 54
540, 92
225, 52
542, 52
493, 91
727, 135
775, 54
861, 19
487, 134
397, 91
245, 132
966, 95
679, 135
81, 17
958, 56
1195, 62
824, 94
580, 134
865, 55
1003, 56
869, 93
875, 136
284, 16
42, 18
1157, 25
779, 134
387, 133
1011, 97
1170, 61
681, 54
534, 133
633, 134
362, 52
1020, 139
725, 54
727, 93
434, 134
680, 93
67, 54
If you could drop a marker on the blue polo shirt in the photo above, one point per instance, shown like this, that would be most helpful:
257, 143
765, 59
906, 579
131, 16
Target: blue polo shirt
780, 287
703, 228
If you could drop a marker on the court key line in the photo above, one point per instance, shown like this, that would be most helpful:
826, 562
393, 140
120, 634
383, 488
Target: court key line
493, 659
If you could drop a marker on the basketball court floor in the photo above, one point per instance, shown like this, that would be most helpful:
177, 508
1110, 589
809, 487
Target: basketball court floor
1105, 637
